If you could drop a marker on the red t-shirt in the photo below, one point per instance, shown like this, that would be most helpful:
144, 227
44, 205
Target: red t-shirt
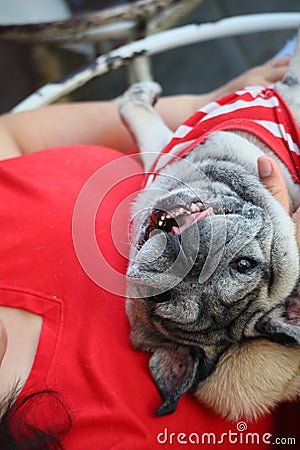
64, 245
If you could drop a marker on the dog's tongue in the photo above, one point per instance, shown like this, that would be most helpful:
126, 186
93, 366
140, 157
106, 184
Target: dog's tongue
189, 219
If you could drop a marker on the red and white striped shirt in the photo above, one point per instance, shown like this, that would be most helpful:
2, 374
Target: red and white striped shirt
257, 110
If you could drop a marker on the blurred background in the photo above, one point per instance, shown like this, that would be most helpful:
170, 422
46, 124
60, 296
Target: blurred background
191, 69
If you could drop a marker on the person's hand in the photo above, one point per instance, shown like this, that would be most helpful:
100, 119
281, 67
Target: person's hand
296, 219
263, 75
271, 176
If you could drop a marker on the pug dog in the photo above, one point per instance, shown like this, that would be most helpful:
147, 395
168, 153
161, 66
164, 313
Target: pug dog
212, 289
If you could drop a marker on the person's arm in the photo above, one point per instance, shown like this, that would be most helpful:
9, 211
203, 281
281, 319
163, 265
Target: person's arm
99, 122
64, 124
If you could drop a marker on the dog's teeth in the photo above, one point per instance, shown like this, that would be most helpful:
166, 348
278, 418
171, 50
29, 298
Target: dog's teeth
162, 217
194, 208
176, 212
160, 223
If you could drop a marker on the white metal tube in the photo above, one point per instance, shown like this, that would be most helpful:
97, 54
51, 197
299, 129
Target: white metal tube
110, 31
158, 43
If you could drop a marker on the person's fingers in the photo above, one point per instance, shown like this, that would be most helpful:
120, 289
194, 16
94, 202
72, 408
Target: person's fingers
263, 75
274, 69
283, 61
276, 74
271, 176
296, 219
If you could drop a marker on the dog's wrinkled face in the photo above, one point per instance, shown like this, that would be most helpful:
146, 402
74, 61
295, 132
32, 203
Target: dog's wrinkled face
201, 278
200, 269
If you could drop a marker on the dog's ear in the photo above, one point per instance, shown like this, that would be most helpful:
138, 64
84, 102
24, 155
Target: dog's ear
283, 324
174, 372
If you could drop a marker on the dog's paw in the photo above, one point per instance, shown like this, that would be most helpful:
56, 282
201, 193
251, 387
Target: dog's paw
145, 93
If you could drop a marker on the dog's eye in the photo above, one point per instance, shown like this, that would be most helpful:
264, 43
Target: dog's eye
161, 298
243, 264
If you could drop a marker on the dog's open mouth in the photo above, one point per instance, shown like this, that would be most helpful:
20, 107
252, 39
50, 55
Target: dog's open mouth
177, 219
